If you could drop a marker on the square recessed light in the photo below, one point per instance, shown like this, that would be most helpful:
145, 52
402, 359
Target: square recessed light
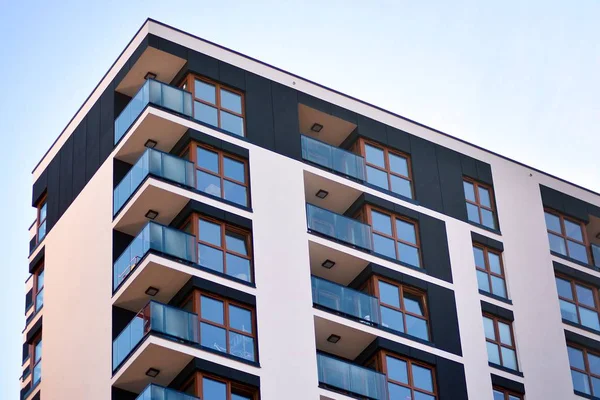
316, 127
151, 214
333, 339
150, 143
152, 291
322, 193
152, 372
150, 75
328, 264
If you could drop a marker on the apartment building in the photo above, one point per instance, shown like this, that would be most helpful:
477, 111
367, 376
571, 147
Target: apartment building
212, 227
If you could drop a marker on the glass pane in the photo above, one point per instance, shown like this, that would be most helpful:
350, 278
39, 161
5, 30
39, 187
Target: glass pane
416, 327
381, 222
43, 210
568, 311
504, 331
557, 244
374, 156
573, 230
498, 287
398, 392
406, 231
213, 337
469, 190
488, 327
552, 222
585, 295
41, 231
210, 258
423, 396
213, 389
473, 213
396, 369
596, 386
236, 242
589, 318
206, 114
483, 281
422, 378
577, 251
231, 101
564, 288
210, 232
389, 294
488, 218
509, 358
211, 309
479, 258
392, 319
409, 254
235, 193
513, 398
205, 91
384, 246
234, 169
413, 304
40, 280
377, 177
207, 159
498, 395
494, 260
398, 164
493, 354
580, 382
576, 358
484, 197
37, 351
238, 267
594, 362
240, 319
208, 183
241, 346
239, 397
232, 123
401, 186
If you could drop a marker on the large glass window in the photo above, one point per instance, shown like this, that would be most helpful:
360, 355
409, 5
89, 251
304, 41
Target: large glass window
567, 236
38, 286
217, 105
394, 236
407, 379
500, 342
220, 174
212, 387
490, 271
585, 370
36, 364
41, 220
480, 203
578, 302
503, 394
387, 169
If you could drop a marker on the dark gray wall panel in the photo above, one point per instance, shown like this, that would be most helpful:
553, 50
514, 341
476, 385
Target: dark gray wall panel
443, 318
66, 176
53, 193
398, 139
568, 205
451, 380
232, 76
372, 129
92, 141
434, 247
259, 111
39, 188
79, 152
451, 182
425, 173
285, 121
203, 64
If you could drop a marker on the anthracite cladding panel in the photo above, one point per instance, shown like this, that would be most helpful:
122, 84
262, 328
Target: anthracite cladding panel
66, 176
568, 205
259, 111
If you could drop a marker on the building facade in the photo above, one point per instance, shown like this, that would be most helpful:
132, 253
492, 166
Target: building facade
213, 227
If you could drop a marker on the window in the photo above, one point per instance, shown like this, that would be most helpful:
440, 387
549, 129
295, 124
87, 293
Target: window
211, 387
222, 247
406, 379
403, 309
36, 364
480, 203
217, 105
566, 236
503, 394
394, 236
490, 271
41, 219
500, 342
225, 325
585, 370
38, 286
578, 302
220, 174
387, 169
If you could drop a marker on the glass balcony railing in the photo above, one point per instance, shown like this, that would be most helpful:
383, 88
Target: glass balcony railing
155, 392
338, 227
333, 158
351, 378
39, 300
157, 163
596, 255
345, 300
155, 237
156, 93
157, 318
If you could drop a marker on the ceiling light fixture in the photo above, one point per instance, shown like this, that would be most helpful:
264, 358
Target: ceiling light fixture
333, 339
150, 143
152, 291
328, 264
322, 193
316, 127
152, 372
150, 75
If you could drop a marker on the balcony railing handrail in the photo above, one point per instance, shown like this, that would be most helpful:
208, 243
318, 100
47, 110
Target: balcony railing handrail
359, 237
341, 360
332, 146
156, 151
340, 215
333, 158
180, 395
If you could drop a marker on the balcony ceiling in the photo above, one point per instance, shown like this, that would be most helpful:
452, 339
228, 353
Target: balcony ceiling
339, 199
351, 344
344, 271
334, 131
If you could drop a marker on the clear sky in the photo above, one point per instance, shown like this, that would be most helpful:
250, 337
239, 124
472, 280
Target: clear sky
521, 78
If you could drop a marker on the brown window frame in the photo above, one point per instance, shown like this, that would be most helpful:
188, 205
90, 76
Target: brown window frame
43, 202
365, 215
196, 298
361, 149
586, 364
32, 364
35, 289
575, 300
193, 222
191, 150
497, 341
507, 393
488, 269
188, 84
563, 234
380, 363
196, 381
477, 202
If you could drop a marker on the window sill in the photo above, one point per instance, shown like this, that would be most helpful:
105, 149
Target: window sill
584, 395
579, 326
501, 368
574, 261
495, 297
485, 228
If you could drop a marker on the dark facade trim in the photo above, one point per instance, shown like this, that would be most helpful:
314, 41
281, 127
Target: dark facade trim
198, 364
486, 241
498, 311
584, 341
194, 206
212, 287
576, 274
568, 205
509, 384
200, 137
35, 329
39, 257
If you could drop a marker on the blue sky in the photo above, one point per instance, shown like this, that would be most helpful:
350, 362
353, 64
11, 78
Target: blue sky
517, 77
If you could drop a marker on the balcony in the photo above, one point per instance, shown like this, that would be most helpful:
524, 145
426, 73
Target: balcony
153, 163
345, 301
338, 227
156, 392
333, 158
343, 376
158, 94
157, 238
